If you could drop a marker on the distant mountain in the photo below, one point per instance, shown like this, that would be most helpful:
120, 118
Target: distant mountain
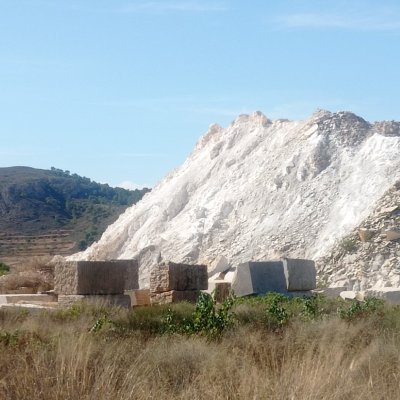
37, 203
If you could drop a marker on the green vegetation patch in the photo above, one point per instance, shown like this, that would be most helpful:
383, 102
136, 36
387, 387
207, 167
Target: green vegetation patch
4, 269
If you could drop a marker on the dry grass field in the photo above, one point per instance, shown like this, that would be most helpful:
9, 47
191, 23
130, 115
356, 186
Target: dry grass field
259, 349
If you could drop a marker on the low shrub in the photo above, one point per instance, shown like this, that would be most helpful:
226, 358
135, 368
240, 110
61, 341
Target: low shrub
4, 269
348, 245
208, 318
356, 309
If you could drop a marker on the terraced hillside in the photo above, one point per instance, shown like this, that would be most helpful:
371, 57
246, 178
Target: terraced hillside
47, 212
15, 248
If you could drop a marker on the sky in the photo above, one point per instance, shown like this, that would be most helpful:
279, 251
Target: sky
120, 91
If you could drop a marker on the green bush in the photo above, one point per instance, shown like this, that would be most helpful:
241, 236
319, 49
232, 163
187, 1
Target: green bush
348, 245
277, 311
4, 269
356, 309
208, 318
313, 307
9, 338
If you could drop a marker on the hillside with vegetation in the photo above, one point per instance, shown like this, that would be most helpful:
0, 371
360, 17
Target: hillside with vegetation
55, 212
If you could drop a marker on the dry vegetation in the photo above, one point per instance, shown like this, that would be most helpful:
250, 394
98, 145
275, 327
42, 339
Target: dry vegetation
269, 350
34, 275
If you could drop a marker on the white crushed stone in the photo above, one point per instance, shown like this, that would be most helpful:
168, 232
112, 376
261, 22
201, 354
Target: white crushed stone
260, 189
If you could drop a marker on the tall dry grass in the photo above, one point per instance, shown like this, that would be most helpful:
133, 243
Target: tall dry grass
57, 356
34, 275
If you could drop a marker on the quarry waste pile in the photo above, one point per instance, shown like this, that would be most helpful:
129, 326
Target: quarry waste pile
262, 190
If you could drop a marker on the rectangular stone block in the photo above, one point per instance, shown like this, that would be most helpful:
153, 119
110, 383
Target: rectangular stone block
121, 300
17, 298
300, 274
90, 277
169, 276
389, 294
31, 308
222, 291
259, 278
139, 297
174, 296
132, 273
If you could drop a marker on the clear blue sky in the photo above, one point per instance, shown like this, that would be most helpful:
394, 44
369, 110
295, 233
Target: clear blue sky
120, 90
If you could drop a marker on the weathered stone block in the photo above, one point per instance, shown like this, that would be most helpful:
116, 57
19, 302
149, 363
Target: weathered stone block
300, 274
132, 273
274, 276
220, 264
174, 296
90, 277
17, 298
31, 308
389, 294
259, 278
222, 291
348, 295
139, 297
120, 300
169, 276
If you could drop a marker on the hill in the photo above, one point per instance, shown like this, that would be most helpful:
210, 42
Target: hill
54, 212
261, 189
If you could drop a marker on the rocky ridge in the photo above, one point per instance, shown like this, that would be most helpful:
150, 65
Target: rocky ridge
260, 189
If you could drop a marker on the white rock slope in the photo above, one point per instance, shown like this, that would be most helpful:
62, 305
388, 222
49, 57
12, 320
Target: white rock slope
260, 189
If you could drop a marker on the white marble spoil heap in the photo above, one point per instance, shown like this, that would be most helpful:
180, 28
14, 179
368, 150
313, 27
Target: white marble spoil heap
260, 190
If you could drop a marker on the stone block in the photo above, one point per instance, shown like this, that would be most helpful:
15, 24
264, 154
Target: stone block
220, 264
90, 277
389, 294
132, 272
352, 295
222, 291
18, 298
259, 278
139, 297
300, 274
174, 296
121, 300
168, 276
31, 308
